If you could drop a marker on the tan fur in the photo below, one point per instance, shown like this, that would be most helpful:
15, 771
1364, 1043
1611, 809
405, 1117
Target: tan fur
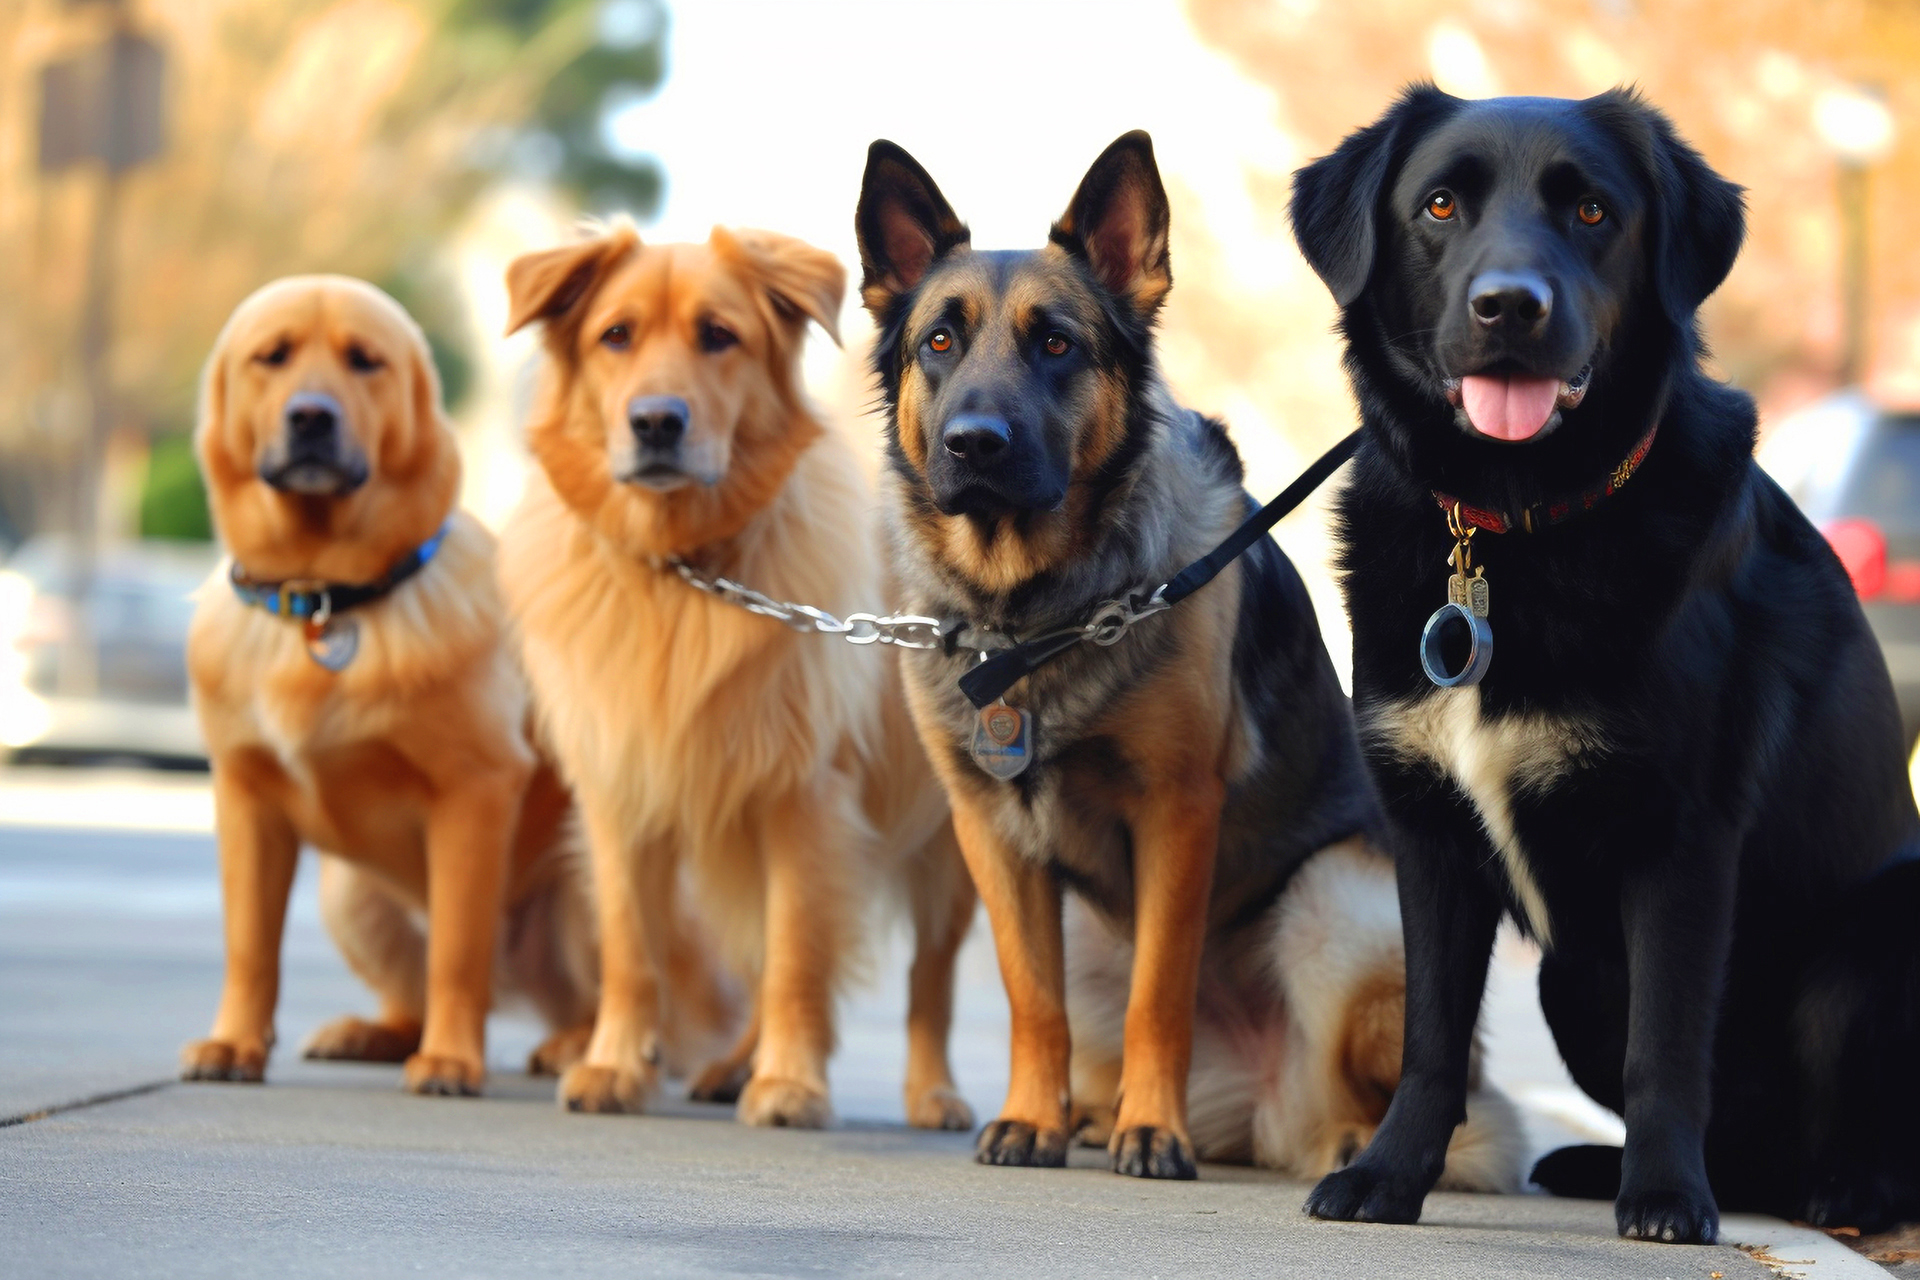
1294, 1062
412, 766
772, 775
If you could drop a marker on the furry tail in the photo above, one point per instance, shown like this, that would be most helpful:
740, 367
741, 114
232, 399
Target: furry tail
1581, 1173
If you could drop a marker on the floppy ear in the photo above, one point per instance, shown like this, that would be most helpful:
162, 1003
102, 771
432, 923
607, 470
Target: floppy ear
904, 226
802, 282
1117, 223
1701, 221
1336, 199
546, 285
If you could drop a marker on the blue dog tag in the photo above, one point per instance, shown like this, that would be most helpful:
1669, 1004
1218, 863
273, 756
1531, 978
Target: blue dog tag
1002, 741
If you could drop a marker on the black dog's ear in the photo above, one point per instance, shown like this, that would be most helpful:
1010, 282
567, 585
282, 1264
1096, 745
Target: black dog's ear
1117, 223
1336, 198
1700, 219
904, 226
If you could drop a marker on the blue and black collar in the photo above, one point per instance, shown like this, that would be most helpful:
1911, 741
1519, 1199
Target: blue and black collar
310, 599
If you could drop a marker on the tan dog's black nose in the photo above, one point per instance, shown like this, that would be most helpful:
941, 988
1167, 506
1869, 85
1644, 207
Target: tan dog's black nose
1520, 301
658, 422
312, 417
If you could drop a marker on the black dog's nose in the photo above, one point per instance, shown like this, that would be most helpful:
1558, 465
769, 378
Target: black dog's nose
1518, 300
312, 416
658, 421
976, 438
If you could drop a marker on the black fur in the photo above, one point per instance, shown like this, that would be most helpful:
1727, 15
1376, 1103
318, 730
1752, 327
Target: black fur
1727, 867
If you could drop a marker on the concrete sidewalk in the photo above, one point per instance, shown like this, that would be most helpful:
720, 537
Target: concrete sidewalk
109, 959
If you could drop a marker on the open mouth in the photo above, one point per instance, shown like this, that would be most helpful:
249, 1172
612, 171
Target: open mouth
313, 478
1512, 407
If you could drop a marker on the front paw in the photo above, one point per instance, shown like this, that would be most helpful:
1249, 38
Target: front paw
433, 1075
940, 1107
1673, 1216
603, 1091
352, 1039
1361, 1193
1148, 1151
1863, 1203
784, 1104
1015, 1142
223, 1061
720, 1081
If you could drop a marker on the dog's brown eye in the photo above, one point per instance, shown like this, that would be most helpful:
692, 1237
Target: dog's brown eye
277, 356
940, 340
716, 337
1057, 344
1441, 206
361, 361
618, 337
1592, 212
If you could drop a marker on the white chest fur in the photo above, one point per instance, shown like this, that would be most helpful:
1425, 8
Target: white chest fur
1491, 761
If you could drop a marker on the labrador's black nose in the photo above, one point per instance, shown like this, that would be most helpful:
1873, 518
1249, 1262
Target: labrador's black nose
312, 417
977, 438
658, 422
1517, 301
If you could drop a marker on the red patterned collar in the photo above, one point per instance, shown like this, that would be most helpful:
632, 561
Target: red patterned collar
1541, 514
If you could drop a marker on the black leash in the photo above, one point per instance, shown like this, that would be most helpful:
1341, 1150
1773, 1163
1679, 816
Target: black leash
993, 677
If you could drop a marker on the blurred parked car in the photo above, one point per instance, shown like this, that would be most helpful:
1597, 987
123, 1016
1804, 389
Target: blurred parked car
1854, 468
120, 691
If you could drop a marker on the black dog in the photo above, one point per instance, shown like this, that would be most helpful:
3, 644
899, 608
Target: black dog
1682, 773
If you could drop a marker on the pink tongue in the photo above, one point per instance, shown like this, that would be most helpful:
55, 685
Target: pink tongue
1508, 408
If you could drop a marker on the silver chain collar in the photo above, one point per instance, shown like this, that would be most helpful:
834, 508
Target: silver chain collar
1109, 622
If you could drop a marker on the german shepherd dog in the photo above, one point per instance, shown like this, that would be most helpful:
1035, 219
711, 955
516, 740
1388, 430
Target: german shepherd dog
1178, 780
1682, 772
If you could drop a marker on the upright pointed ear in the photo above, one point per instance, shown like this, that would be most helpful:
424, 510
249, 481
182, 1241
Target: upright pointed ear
1117, 223
547, 285
1336, 199
1699, 218
801, 282
904, 226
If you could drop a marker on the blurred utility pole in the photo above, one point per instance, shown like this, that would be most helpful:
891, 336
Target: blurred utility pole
99, 108
1857, 127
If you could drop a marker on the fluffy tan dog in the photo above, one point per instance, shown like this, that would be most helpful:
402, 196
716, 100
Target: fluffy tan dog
776, 772
356, 696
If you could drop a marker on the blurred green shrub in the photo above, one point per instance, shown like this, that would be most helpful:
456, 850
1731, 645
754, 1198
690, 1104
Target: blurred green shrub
173, 501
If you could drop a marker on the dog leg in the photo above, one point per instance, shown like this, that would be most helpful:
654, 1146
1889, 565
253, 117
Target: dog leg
723, 1079
258, 854
1023, 905
805, 909
633, 891
1678, 914
943, 902
378, 939
1449, 913
469, 832
1176, 835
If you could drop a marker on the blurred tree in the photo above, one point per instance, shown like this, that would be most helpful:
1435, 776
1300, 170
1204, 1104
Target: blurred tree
173, 501
303, 135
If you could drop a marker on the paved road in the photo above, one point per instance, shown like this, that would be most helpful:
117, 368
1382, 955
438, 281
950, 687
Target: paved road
109, 958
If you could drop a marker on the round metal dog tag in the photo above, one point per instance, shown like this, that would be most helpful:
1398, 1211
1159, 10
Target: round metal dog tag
1002, 738
1448, 621
334, 643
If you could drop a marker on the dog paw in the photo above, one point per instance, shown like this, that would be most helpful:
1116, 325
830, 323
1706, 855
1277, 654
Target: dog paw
1149, 1151
603, 1091
1091, 1126
784, 1104
352, 1039
559, 1051
1015, 1142
1359, 1193
223, 1061
940, 1107
433, 1075
720, 1081
1668, 1215
1858, 1202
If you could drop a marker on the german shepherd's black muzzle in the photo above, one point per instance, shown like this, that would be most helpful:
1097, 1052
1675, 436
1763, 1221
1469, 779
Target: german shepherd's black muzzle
989, 462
